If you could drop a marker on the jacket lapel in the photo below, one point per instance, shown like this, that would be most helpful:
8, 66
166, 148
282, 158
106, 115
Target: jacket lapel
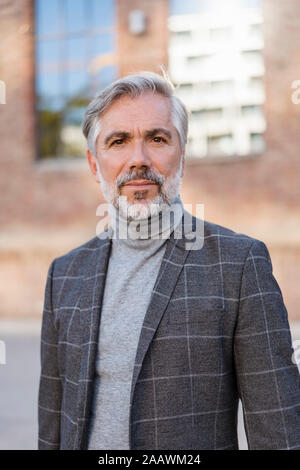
170, 269
90, 304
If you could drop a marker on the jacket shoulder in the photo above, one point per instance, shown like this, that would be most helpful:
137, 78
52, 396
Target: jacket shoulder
80, 254
211, 229
229, 241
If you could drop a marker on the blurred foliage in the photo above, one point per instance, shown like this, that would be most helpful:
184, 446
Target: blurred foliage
50, 123
60, 129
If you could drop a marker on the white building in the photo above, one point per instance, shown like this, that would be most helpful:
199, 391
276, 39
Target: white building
216, 64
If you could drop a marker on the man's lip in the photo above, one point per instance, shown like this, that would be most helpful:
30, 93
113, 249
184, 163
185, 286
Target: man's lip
140, 183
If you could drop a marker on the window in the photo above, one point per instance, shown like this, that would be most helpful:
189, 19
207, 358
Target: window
252, 111
207, 114
222, 86
225, 62
220, 145
198, 60
253, 57
257, 143
75, 45
197, 114
256, 84
183, 34
256, 31
185, 86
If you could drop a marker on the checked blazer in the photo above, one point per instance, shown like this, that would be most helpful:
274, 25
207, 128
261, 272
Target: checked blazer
216, 330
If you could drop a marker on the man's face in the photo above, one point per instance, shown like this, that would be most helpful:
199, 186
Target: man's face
139, 154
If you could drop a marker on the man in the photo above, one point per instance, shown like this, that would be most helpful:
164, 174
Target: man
148, 342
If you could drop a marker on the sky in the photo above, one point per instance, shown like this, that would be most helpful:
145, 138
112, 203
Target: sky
180, 7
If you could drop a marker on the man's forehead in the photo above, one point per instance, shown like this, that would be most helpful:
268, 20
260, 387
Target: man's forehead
149, 105
144, 113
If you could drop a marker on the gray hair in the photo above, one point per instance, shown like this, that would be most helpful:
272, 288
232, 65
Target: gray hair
133, 85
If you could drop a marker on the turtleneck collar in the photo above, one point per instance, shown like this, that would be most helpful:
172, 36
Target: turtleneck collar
144, 232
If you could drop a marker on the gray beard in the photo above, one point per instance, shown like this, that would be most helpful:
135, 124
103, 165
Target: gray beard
136, 210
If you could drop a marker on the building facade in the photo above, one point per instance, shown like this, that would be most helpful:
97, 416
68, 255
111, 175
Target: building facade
248, 181
216, 62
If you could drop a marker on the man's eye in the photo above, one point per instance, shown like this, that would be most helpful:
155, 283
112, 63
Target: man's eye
159, 139
118, 142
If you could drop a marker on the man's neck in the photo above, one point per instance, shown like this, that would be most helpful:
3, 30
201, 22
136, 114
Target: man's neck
158, 226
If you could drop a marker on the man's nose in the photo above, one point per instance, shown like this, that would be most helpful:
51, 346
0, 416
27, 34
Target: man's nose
139, 156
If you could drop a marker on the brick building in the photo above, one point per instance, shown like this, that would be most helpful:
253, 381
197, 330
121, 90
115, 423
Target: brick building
49, 207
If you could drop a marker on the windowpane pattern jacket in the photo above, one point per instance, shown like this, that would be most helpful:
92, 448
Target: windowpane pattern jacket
216, 330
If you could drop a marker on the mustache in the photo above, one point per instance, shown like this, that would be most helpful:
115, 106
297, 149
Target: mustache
146, 174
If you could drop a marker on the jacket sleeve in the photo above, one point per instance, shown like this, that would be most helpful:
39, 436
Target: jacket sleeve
50, 388
268, 379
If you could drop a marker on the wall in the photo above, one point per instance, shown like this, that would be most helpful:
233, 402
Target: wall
45, 211
149, 50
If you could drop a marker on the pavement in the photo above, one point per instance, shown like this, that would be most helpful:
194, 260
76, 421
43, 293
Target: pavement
19, 379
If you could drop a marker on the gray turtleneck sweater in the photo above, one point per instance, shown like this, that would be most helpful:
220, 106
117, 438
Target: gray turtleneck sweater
132, 271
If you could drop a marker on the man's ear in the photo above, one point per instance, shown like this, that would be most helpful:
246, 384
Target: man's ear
92, 164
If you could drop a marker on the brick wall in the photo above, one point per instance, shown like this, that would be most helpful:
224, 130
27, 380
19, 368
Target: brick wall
149, 50
45, 212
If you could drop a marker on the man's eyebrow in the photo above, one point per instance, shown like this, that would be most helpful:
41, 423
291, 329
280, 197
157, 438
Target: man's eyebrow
148, 134
116, 134
158, 130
